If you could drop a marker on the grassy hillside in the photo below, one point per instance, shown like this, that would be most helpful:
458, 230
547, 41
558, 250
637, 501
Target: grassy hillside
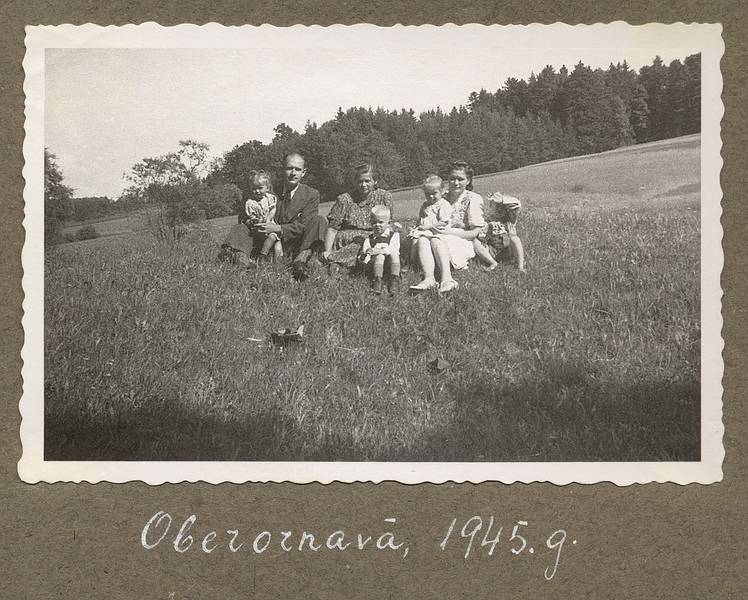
151, 349
619, 178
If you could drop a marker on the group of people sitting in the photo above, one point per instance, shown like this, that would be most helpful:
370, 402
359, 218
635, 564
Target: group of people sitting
455, 225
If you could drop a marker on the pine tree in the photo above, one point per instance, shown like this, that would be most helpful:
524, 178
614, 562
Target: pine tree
639, 114
692, 91
654, 80
595, 114
542, 90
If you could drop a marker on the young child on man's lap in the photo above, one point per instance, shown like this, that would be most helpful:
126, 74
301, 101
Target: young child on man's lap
260, 208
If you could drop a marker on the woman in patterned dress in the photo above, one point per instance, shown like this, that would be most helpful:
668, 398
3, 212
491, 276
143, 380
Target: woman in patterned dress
349, 221
453, 247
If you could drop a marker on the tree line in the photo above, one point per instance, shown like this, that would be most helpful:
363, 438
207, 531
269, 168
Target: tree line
553, 114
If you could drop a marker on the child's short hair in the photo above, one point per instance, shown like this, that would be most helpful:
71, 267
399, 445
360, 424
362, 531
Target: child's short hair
260, 175
432, 180
380, 211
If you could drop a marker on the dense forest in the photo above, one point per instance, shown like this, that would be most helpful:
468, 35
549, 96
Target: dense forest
553, 114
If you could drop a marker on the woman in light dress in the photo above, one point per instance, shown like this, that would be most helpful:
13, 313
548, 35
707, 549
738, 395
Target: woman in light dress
453, 247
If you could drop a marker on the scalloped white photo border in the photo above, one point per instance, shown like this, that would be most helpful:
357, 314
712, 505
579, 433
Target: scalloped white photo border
32, 467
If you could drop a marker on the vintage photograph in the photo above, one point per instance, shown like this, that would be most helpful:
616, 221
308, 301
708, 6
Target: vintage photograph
364, 254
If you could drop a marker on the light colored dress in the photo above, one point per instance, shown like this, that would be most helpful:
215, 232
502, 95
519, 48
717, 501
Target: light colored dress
467, 213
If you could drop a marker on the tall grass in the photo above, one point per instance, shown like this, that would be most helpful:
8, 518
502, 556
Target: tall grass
594, 355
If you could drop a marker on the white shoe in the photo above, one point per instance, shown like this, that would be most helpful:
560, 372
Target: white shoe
426, 284
448, 285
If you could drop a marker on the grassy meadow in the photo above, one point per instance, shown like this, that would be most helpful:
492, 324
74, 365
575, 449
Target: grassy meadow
151, 349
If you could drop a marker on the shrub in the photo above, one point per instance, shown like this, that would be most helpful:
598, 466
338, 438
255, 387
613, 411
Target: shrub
220, 200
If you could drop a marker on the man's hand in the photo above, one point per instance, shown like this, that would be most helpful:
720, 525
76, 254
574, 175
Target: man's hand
268, 228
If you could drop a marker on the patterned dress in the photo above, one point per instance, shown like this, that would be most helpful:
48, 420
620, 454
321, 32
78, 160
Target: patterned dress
351, 217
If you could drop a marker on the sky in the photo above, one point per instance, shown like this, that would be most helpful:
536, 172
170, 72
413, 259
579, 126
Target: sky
107, 108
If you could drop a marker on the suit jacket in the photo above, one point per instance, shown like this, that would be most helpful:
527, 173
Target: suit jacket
293, 214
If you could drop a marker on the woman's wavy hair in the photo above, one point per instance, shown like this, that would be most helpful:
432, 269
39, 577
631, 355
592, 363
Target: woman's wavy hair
361, 169
461, 165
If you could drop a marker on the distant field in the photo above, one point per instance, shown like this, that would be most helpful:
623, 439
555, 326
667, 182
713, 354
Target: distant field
111, 226
151, 351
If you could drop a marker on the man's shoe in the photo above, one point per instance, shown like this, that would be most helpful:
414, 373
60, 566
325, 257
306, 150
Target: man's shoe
313, 264
299, 270
243, 260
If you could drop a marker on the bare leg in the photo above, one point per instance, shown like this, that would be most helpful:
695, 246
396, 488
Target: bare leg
394, 261
268, 244
378, 265
329, 241
484, 255
519, 252
394, 282
278, 250
426, 260
441, 253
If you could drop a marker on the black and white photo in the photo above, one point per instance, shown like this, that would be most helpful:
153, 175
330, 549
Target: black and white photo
364, 254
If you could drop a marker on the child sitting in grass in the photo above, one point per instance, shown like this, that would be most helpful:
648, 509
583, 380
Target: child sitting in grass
499, 236
260, 208
382, 246
435, 211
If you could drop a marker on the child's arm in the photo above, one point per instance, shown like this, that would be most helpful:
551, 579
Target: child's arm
365, 255
366, 247
440, 226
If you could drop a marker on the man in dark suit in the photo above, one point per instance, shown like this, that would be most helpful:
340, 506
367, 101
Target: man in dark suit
298, 224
